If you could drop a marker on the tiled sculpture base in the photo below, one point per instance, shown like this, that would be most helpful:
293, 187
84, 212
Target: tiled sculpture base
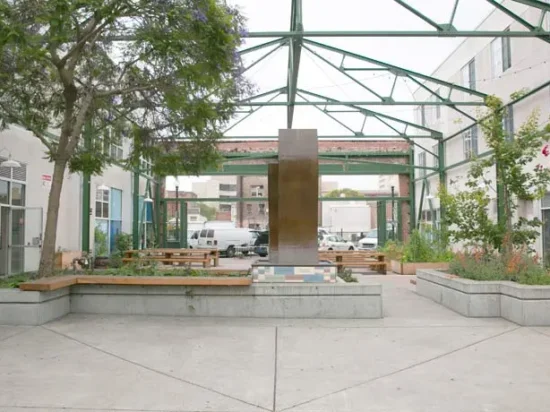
269, 273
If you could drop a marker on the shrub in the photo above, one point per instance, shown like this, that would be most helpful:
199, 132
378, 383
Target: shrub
393, 250
347, 276
517, 266
419, 248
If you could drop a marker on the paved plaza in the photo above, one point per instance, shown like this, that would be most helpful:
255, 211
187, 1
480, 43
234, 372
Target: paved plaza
420, 358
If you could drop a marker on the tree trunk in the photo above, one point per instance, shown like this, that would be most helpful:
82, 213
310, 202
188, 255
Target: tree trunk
47, 258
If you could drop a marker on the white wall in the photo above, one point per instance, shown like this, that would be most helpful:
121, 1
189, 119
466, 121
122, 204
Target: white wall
530, 68
27, 149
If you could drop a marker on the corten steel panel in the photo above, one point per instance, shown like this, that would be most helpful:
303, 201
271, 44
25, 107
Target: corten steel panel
298, 197
273, 201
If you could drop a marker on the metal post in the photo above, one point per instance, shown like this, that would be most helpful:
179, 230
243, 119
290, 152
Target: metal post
86, 195
183, 239
412, 193
178, 234
393, 213
442, 185
135, 211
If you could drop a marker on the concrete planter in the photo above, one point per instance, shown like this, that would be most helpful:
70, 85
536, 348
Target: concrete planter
339, 300
522, 304
33, 308
410, 268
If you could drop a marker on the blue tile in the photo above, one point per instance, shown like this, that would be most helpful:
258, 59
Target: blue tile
314, 278
283, 270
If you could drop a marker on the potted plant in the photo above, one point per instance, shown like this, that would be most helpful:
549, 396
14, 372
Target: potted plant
420, 251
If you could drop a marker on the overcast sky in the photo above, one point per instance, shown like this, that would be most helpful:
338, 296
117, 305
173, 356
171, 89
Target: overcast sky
418, 54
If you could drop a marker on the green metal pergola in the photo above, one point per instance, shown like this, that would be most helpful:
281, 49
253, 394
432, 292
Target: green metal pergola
298, 41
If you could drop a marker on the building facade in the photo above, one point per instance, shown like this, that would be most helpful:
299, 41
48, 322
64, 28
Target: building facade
24, 193
497, 66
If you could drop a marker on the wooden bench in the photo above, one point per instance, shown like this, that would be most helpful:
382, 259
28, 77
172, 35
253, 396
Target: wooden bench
59, 282
356, 259
172, 256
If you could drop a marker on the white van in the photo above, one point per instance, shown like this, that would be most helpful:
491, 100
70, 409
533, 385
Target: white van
226, 240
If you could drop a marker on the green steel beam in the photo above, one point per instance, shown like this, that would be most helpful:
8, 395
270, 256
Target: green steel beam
265, 199
262, 155
324, 169
262, 46
341, 70
250, 113
357, 136
183, 225
453, 13
368, 112
326, 113
357, 161
396, 69
389, 33
86, 184
385, 102
244, 102
511, 103
135, 209
420, 15
421, 205
265, 56
294, 54
517, 18
412, 194
442, 174
451, 104
535, 3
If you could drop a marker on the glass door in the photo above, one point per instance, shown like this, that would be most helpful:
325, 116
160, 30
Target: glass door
4, 240
25, 233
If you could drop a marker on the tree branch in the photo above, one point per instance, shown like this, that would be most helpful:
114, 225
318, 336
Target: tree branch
123, 91
79, 122
19, 121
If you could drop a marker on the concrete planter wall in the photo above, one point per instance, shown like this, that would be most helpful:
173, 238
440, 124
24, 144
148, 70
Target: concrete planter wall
33, 308
522, 304
339, 300
410, 268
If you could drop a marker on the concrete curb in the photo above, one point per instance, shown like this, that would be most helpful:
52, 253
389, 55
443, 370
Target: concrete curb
523, 304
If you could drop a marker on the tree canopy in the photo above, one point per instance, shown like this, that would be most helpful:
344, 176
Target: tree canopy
149, 71
343, 193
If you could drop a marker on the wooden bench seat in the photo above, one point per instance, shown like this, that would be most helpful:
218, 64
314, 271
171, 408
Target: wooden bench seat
169, 261
59, 282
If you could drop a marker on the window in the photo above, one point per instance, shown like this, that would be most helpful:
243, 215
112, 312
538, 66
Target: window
210, 233
193, 218
257, 191
249, 208
225, 208
4, 192
102, 203
469, 75
146, 167
261, 206
423, 116
227, 188
501, 55
508, 122
17, 194
422, 163
469, 138
112, 145
435, 150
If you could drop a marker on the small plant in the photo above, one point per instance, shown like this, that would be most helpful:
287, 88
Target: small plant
13, 282
516, 266
420, 248
347, 276
100, 242
393, 250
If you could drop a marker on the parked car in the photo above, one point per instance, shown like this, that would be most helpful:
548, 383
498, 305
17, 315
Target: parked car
261, 245
334, 242
227, 240
193, 239
370, 240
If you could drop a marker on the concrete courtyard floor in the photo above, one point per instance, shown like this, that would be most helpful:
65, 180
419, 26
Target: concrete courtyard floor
420, 358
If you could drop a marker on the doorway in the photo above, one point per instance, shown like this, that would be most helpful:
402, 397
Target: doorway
20, 239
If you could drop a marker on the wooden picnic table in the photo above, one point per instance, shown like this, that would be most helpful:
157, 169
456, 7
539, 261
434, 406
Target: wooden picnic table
356, 259
174, 256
